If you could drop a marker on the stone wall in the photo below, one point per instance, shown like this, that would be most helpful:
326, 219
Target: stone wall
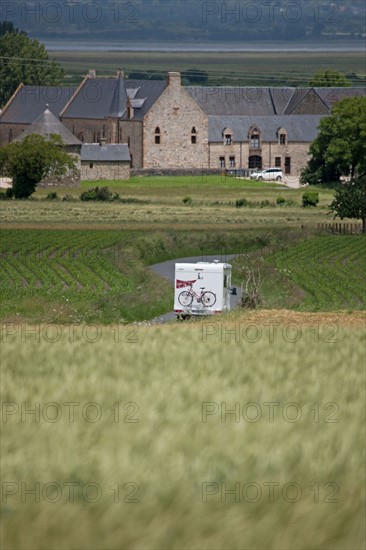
298, 153
89, 129
176, 114
171, 172
70, 179
131, 132
111, 171
16, 130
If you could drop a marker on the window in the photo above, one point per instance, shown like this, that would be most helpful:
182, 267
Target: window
228, 139
254, 141
193, 136
255, 162
10, 135
81, 137
129, 141
283, 139
104, 130
157, 136
232, 162
222, 162
91, 165
278, 161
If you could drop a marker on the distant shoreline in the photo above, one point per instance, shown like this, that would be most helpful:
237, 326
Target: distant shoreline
242, 47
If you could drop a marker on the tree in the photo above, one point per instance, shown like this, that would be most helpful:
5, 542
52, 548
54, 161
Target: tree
329, 79
340, 148
25, 61
28, 162
350, 201
7, 26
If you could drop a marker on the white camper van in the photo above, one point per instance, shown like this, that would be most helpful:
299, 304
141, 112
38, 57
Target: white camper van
202, 288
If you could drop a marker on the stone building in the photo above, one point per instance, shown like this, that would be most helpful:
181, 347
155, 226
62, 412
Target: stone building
105, 162
169, 127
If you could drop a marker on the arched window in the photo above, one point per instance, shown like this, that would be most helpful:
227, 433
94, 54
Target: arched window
255, 162
194, 135
11, 135
81, 137
157, 136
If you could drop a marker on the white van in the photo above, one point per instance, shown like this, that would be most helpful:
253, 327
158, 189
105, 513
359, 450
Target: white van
202, 288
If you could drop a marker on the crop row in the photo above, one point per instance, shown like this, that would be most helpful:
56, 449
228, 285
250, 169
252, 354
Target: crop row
63, 262
330, 269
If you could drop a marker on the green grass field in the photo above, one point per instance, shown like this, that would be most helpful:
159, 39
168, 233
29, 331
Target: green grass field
104, 480
162, 207
132, 444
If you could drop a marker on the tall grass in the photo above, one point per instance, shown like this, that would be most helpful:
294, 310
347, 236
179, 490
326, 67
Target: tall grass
168, 373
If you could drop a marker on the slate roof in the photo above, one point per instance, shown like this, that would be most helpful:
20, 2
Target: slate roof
30, 101
281, 98
101, 98
45, 125
105, 153
237, 100
233, 100
299, 95
330, 95
300, 128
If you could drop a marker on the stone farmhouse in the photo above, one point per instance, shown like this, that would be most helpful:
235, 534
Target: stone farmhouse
170, 128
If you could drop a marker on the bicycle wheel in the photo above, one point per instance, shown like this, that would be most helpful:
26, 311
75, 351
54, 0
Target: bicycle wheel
185, 298
208, 299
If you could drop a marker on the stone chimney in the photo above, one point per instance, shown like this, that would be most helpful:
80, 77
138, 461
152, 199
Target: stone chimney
92, 73
120, 74
174, 80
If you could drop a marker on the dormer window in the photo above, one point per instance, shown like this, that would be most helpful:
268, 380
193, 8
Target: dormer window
228, 139
194, 136
254, 137
282, 136
157, 136
255, 141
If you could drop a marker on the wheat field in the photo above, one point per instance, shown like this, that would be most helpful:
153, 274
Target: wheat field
237, 433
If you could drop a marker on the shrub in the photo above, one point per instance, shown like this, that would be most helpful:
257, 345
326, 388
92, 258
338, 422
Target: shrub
265, 203
280, 201
241, 202
53, 196
99, 194
310, 199
187, 201
9, 194
69, 198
